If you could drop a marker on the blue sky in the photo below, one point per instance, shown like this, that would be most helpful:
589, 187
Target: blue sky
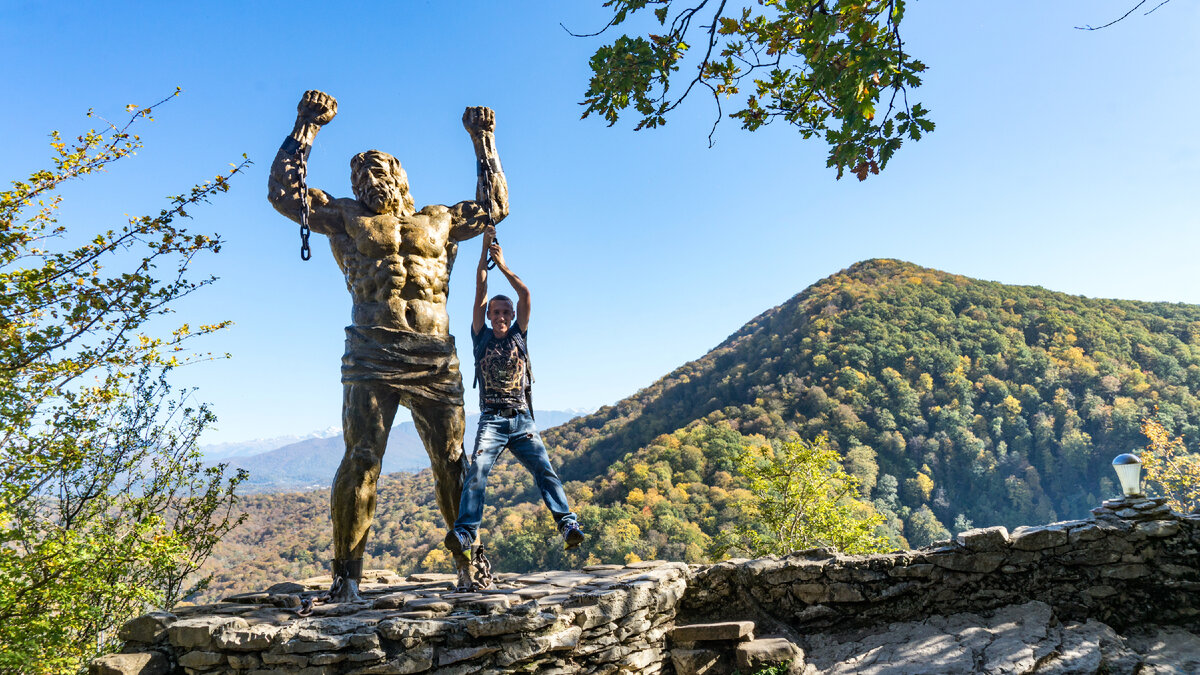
1062, 158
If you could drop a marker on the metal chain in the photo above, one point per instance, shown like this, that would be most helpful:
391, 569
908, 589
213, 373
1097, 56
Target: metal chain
486, 169
483, 569
302, 172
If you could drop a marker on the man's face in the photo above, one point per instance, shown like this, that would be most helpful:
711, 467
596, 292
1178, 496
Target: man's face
500, 313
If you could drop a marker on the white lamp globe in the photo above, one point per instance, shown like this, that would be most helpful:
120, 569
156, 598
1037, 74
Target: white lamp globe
1129, 472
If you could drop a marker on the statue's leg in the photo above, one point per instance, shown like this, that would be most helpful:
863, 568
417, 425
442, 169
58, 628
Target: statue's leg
367, 414
441, 429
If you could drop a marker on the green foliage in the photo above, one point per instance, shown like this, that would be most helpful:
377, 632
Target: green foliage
801, 498
1170, 470
835, 69
105, 507
924, 528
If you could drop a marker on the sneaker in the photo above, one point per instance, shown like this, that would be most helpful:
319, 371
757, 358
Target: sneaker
572, 535
457, 543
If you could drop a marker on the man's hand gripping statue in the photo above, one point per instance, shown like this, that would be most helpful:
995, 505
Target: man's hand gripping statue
396, 260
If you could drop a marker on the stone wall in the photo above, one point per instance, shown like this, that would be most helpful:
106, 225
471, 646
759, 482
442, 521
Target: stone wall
1133, 564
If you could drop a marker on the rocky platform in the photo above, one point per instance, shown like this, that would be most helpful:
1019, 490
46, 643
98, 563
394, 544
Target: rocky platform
1116, 593
603, 618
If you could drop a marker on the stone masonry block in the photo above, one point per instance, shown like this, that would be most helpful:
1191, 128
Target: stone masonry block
727, 630
198, 633
411, 661
699, 662
1037, 538
147, 628
200, 659
984, 539
757, 654
137, 663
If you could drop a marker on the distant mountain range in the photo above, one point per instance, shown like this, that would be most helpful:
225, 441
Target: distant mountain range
291, 463
217, 451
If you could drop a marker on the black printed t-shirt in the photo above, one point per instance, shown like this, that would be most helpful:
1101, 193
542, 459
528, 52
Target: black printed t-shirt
503, 370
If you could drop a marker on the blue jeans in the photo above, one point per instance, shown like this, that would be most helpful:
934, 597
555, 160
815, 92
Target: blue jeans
520, 435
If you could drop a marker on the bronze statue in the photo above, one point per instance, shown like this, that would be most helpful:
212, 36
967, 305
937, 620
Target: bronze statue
399, 350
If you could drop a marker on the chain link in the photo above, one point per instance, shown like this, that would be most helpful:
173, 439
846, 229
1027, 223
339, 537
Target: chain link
483, 569
302, 172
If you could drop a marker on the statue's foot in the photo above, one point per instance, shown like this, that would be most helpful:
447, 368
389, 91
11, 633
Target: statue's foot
462, 564
344, 589
483, 569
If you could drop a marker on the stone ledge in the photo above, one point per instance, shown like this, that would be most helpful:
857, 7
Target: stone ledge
417, 624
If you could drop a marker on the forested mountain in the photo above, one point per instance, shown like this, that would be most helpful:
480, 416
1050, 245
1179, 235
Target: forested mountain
955, 401
1002, 403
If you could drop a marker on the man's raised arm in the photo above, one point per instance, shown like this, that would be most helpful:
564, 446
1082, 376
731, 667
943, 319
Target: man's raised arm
479, 312
316, 109
491, 187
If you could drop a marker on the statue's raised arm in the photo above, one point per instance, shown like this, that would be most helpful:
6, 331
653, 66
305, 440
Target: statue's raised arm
490, 205
315, 110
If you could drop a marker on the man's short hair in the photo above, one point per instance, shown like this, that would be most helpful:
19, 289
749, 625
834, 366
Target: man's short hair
501, 297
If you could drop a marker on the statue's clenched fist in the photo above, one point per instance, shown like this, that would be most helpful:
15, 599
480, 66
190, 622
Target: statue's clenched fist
317, 107
479, 118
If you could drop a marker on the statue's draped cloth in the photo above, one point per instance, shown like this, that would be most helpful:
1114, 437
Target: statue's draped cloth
414, 364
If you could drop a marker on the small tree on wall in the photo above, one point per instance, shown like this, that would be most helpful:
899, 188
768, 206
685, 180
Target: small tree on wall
1171, 470
802, 498
105, 506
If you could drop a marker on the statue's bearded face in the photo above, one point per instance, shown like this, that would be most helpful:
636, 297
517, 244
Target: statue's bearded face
380, 183
379, 191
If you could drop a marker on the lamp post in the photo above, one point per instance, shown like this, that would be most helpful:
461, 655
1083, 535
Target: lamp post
1129, 472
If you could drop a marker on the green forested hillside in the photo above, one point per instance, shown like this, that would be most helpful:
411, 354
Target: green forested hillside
1000, 403
955, 401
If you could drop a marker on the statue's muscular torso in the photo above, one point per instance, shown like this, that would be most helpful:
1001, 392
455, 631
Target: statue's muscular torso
397, 267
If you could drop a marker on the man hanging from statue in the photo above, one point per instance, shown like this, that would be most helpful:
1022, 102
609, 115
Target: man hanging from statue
399, 350
505, 379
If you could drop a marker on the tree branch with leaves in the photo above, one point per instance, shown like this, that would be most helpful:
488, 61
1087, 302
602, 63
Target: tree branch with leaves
836, 69
1171, 471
